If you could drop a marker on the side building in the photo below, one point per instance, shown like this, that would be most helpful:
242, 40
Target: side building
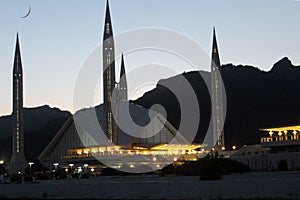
279, 151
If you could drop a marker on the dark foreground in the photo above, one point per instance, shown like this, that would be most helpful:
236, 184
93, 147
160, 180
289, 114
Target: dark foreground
275, 185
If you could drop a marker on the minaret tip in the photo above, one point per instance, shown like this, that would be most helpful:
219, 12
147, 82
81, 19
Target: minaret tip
122, 71
215, 53
108, 32
17, 59
107, 5
107, 9
214, 31
123, 94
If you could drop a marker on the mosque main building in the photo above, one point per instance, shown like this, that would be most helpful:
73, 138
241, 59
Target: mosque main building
78, 143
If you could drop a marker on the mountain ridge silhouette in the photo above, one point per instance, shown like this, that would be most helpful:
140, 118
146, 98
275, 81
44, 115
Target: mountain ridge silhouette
255, 99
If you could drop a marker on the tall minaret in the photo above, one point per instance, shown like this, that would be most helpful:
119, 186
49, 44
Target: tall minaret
18, 161
110, 127
217, 96
122, 90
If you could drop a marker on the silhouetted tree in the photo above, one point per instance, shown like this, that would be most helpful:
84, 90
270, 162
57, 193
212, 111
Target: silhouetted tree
282, 165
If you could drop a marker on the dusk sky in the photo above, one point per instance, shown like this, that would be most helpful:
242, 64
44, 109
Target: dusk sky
58, 36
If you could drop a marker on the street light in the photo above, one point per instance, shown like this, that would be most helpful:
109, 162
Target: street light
79, 169
85, 167
2, 169
55, 165
30, 163
71, 165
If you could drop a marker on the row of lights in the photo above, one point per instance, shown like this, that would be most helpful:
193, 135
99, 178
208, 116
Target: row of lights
132, 166
29, 163
79, 168
138, 153
92, 169
280, 133
223, 148
112, 151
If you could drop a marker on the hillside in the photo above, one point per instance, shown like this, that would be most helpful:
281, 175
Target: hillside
255, 99
40, 125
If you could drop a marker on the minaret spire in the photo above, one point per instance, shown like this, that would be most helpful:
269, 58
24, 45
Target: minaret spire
17, 162
122, 72
215, 51
108, 31
17, 60
217, 96
110, 127
123, 94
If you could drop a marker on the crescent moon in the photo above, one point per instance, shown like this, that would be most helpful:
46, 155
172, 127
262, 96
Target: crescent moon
28, 13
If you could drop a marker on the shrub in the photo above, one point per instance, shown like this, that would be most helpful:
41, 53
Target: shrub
282, 165
210, 169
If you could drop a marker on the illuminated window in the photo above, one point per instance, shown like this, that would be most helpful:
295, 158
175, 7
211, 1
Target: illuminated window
107, 28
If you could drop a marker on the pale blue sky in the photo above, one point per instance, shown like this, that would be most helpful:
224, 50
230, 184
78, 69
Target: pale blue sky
58, 36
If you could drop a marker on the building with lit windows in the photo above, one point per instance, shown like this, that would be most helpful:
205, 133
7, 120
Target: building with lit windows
282, 136
77, 146
281, 145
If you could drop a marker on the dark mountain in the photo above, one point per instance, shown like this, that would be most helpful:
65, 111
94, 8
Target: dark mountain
255, 99
40, 125
163, 96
